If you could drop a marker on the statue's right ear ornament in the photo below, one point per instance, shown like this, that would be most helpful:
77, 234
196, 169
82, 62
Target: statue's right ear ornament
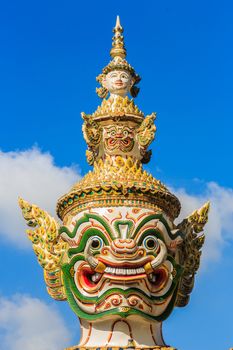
189, 251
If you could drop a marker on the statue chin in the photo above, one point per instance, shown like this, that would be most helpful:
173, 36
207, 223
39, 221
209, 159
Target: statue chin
119, 91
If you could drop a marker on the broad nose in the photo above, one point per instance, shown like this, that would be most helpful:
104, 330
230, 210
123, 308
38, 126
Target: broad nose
124, 245
119, 135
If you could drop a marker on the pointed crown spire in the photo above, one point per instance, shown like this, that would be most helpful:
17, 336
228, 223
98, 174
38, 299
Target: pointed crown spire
118, 46
118, 135
118, 62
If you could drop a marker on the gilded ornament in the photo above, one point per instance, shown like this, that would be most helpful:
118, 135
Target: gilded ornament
47, 245
190, 251
110, 76
118, 257
120, 107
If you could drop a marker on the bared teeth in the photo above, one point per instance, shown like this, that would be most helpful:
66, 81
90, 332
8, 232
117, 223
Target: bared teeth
110, 270
124, 271
140, 270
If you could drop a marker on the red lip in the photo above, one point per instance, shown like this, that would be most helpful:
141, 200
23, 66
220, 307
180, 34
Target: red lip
85, 275
91, 280
118, 83
124, 263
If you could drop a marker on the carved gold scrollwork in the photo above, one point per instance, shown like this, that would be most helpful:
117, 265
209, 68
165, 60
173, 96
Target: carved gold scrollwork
47, 245
92, 133
190, 251
146, 132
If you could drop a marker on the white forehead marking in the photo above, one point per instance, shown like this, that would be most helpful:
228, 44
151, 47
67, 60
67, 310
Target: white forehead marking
124, 229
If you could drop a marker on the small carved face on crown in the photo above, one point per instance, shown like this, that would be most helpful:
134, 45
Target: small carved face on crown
118, 138
118, 82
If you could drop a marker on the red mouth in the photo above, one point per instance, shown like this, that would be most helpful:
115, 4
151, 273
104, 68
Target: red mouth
89, 279
118, 83
157, 277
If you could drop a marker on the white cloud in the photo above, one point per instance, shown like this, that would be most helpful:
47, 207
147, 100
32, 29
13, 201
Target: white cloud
28, 323
219, 228
32, 175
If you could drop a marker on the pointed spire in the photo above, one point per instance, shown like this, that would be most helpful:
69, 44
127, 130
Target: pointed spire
199, 217
118, 46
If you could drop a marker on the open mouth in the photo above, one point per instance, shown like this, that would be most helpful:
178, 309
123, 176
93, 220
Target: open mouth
90, 280
158, 277
88, 277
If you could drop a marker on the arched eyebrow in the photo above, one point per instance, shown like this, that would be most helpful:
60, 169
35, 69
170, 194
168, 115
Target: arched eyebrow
150, 218
84, 219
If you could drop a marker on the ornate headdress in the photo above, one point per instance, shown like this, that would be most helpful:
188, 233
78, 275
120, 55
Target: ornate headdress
118, 135
118, 257
118, 54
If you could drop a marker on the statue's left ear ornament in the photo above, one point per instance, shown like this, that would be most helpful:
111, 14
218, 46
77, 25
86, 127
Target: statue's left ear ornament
48, 246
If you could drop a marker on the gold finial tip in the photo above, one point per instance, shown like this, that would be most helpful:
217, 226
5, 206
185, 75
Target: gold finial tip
118, 22
118, 47
20, 201
206, 206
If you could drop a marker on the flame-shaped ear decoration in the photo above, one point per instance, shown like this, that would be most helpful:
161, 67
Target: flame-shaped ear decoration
145, 135
190, 251
47, 245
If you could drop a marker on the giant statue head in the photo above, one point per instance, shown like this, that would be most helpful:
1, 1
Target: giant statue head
118, 258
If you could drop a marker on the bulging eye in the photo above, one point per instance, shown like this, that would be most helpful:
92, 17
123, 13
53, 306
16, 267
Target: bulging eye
151, 243
96, 243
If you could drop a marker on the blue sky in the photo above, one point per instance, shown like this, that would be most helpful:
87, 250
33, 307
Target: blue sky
50, 54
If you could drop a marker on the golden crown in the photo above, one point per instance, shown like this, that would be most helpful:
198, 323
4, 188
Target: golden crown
118, 136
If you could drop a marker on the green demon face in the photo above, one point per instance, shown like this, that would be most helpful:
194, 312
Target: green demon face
121, 261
